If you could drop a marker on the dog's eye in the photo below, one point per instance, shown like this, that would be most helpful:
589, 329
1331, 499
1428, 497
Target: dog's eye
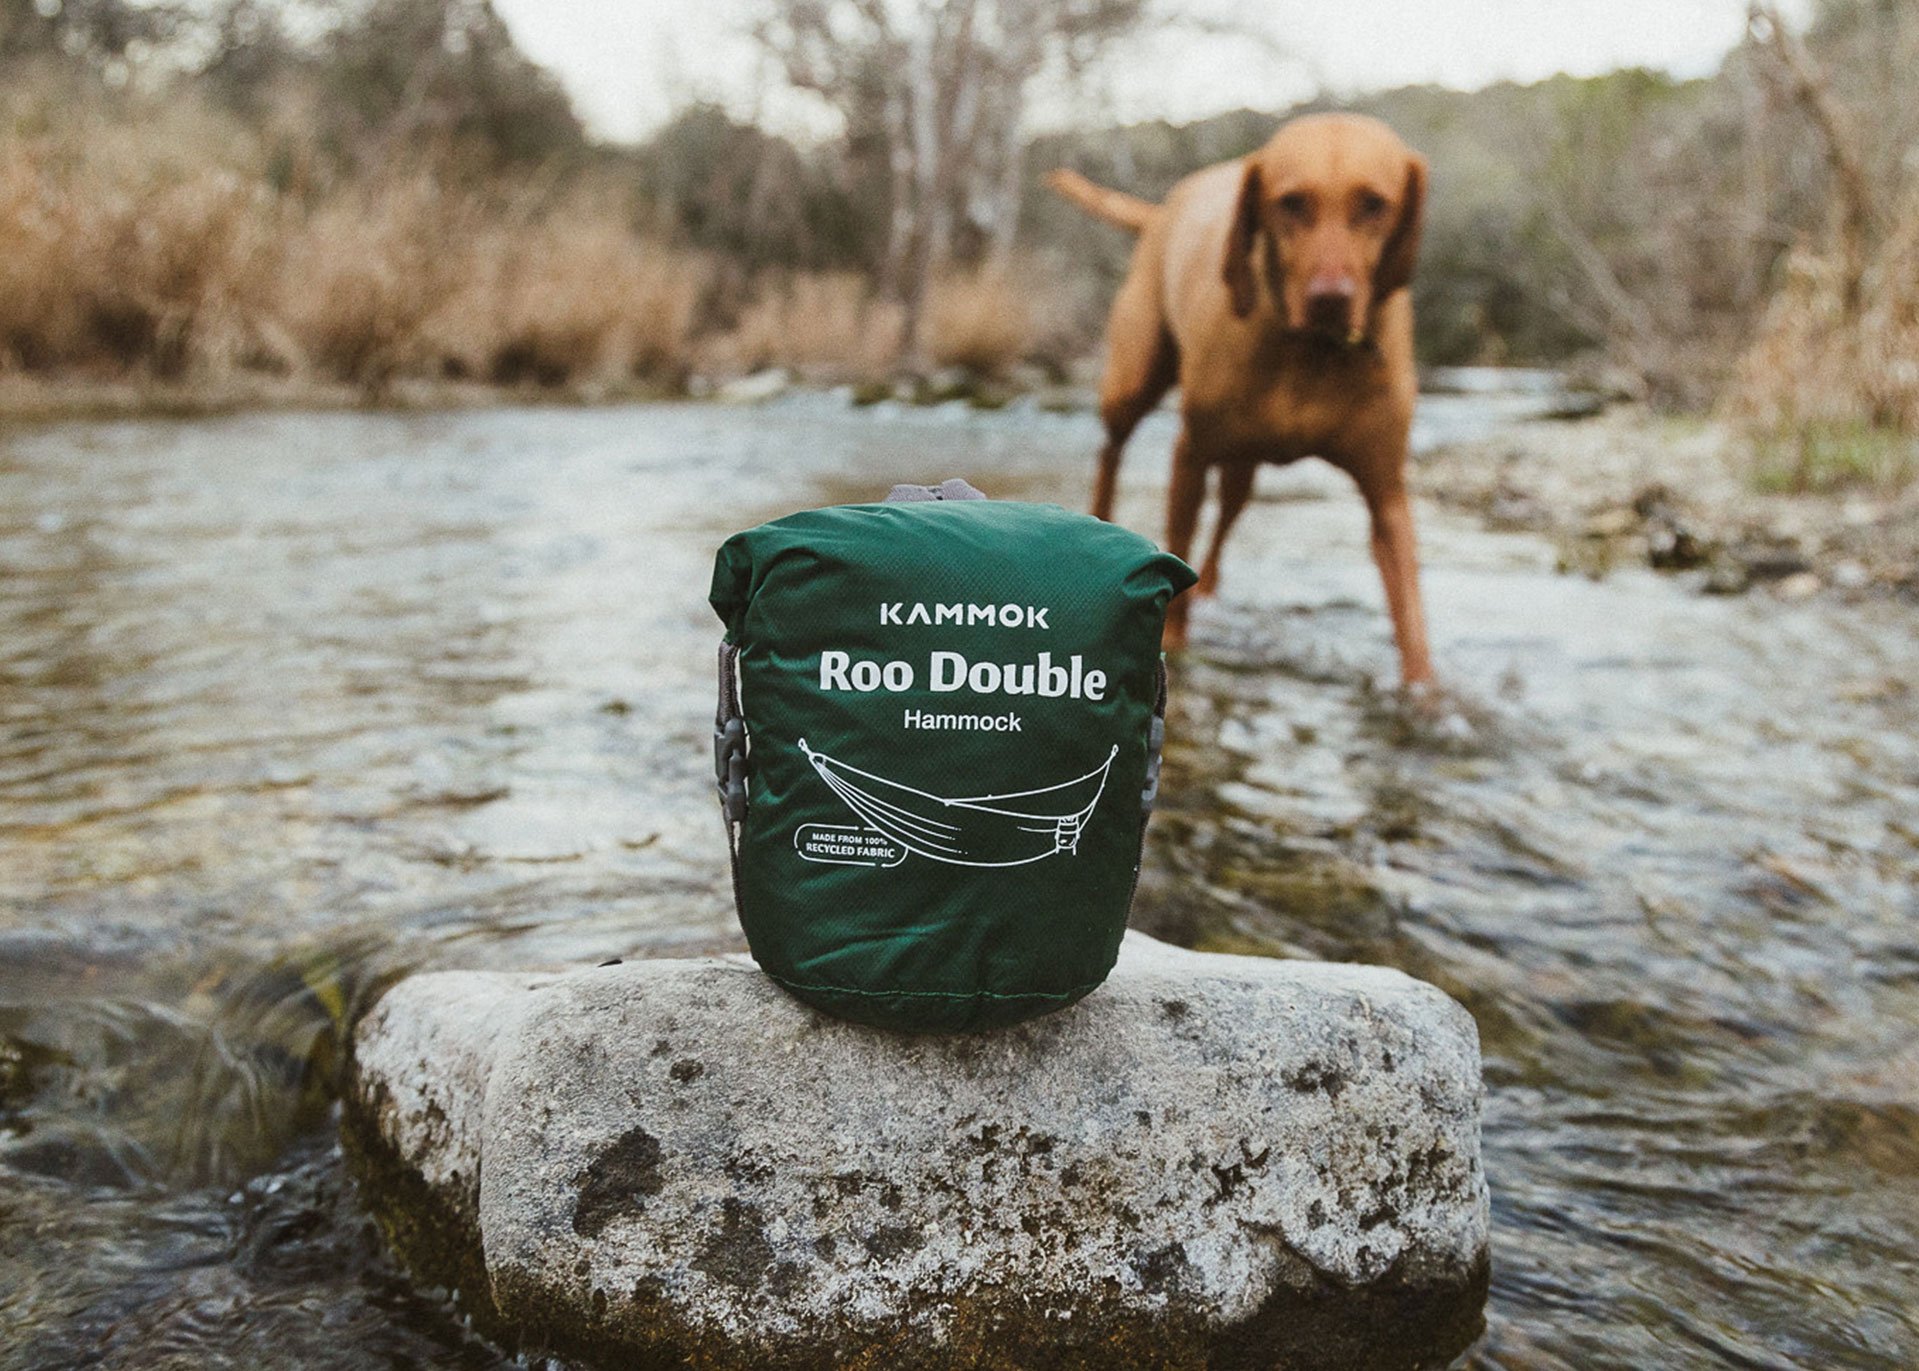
1295, 204
1369, 206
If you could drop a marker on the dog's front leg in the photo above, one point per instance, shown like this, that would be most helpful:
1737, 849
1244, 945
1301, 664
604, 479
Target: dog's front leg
1235, 488
1183, 500
1397, 556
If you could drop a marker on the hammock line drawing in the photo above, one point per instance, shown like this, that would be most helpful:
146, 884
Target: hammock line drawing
1009, 829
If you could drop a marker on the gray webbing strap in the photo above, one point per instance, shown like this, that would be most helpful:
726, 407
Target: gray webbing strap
1149, 793
1155, 747
729, 758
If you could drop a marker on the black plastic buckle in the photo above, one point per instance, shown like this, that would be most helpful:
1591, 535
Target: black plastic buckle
729, 768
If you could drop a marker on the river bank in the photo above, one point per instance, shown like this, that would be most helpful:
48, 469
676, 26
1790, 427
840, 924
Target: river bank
27, 399
41, 400
1681, 495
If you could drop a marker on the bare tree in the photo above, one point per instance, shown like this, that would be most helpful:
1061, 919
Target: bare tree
942, 87
1853, 206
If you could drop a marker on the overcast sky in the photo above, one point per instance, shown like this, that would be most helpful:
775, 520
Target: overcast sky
630, 63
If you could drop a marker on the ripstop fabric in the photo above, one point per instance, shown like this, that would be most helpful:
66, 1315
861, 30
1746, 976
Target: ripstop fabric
949, 707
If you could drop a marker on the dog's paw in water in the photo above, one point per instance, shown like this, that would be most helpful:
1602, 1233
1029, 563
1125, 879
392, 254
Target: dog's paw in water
1431, 716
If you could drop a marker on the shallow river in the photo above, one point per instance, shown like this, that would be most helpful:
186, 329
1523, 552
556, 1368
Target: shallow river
290, 705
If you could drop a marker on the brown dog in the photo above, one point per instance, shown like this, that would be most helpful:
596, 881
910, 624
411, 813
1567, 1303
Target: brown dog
1273, 290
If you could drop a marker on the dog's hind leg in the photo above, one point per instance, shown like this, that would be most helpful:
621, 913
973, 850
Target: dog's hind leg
1142, 362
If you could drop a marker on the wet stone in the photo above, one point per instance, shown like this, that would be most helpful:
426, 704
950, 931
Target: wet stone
1213, 1161
23, 1063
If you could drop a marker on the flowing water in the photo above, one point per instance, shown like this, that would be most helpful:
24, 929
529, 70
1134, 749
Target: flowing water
291, 705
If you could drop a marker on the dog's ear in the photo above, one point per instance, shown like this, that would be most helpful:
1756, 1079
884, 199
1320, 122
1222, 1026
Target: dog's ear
1401, 255
1237, 269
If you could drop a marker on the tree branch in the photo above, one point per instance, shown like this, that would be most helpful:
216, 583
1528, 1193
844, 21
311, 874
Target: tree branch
1813, 91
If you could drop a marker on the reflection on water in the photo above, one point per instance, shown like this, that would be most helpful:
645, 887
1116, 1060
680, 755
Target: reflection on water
291, 705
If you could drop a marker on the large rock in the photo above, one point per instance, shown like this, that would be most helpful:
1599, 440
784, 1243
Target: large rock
1212, 1161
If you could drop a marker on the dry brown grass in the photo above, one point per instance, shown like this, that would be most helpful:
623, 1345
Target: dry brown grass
42, 297
982, 321
156, 274
825, 326
150, 243
213, 274
128, 237
831, 326
365, 272
568, 294
162, 244
1832, 397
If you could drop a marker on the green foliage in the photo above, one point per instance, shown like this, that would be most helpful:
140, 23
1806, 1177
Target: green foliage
1823, 456
362, 81
252, 58
83, 32
717, 183
447, 70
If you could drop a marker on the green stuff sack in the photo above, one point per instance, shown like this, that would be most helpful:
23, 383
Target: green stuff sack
938, 740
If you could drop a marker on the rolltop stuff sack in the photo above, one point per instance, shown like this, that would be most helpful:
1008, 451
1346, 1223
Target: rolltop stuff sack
938, 741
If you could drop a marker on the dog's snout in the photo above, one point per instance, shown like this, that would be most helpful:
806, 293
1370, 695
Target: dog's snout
1332, 283
1329, 300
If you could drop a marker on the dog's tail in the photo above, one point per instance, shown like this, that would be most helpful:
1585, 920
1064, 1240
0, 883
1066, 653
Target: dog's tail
1114, 206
